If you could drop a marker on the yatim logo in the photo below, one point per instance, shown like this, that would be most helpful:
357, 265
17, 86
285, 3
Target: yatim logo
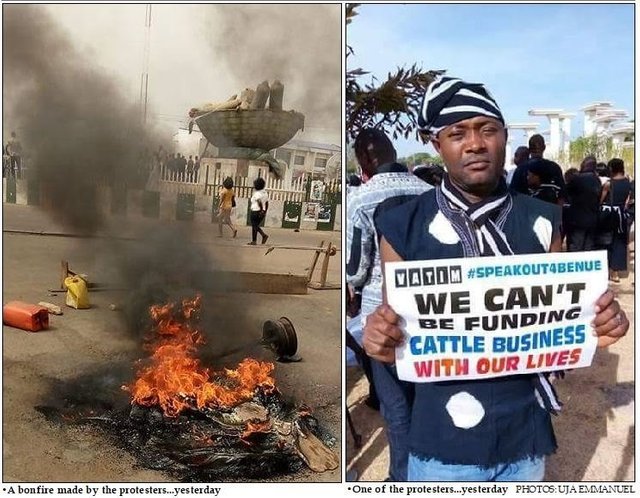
428, 275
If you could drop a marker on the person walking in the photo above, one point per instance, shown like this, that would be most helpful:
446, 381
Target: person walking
182, 167
549, 171
190, 169
6, 162
259, 206
172, 167
196, 169
581, 214
227, 203
14, 149
616, 194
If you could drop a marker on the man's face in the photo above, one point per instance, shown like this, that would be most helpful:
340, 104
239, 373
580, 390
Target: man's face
474, 151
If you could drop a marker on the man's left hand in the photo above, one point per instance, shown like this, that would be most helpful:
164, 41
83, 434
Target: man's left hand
611, 322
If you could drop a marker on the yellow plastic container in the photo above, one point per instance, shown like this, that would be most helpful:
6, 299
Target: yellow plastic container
77, 293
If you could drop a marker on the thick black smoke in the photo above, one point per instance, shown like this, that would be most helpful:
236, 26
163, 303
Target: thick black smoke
300, 45
78, 130
80, 134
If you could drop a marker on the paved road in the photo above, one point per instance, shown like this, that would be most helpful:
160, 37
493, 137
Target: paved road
84, 341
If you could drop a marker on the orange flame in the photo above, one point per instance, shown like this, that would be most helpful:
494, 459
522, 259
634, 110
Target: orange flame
175, 380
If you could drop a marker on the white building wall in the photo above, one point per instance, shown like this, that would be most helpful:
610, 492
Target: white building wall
565, 126
553, 148
308, 163
589, 126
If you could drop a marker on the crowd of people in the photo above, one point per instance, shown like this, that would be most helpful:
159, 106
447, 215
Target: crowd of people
597, 200
479, 430
176, 167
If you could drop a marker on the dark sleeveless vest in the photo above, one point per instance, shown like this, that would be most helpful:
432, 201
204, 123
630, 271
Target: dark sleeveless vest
513, 424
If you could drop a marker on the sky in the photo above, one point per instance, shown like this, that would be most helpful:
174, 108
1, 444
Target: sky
529, 56
204, 53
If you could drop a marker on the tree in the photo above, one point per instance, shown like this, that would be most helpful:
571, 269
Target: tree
390, 105
420, 158
601, 147
352, 163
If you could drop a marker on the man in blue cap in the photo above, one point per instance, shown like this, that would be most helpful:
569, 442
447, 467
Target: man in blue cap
495, 429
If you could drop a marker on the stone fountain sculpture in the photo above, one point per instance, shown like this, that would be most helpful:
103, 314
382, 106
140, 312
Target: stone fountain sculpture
249, 126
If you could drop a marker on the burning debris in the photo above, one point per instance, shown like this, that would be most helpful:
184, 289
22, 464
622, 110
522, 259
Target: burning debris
198, 424
175, 380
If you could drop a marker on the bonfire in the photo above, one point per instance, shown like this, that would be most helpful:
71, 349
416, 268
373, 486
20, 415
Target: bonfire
175, 381
198, 423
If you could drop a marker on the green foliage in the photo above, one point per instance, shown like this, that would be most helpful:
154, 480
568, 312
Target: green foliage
627, 154
599, 146
421, 158
602, 148
390, 105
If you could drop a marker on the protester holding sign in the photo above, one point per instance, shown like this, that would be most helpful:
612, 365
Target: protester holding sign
495, 428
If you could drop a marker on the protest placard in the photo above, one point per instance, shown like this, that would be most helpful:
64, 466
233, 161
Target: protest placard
311, 212
473, 318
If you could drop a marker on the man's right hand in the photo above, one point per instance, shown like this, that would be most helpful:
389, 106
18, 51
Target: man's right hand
382, 335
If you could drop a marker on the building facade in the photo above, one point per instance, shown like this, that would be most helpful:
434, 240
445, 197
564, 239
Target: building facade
317, 160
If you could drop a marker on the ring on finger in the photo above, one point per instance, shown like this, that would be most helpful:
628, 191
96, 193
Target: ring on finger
619, 319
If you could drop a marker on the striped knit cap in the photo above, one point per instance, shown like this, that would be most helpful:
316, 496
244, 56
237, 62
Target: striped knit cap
449, 100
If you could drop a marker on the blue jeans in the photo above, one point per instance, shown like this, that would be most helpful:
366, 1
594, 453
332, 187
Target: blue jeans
396, 398
434, 470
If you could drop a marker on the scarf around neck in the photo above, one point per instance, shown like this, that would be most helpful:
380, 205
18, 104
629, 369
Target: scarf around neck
487, 217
